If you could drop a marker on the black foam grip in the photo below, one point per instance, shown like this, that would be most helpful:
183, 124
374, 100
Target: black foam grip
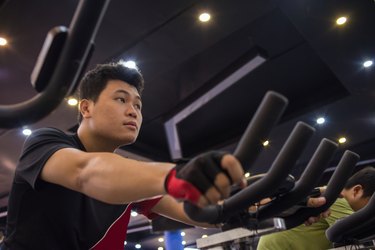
264, 187
211, 214
266, 116
310, 176
353, 224
279, 170
334, 187
82, 32
366, 232
48, 57
284, 187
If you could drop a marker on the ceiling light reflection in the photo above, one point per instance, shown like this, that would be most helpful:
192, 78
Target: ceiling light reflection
204, 17
3, 41
342, 140
341, 20
320, 120
367, 63
26, 131
72, 101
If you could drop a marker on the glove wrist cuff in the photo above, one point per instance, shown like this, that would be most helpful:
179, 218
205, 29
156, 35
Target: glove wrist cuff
169, 176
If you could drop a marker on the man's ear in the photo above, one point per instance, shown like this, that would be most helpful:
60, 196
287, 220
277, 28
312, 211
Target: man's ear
358, 191
85, 108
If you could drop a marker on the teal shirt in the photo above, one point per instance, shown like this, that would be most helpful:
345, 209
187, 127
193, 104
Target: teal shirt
306, 237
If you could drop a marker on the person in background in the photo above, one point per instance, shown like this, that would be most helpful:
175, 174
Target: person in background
355, 195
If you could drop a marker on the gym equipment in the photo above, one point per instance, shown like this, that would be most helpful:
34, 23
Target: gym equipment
240, 226
62, 60
309, 178
357, 229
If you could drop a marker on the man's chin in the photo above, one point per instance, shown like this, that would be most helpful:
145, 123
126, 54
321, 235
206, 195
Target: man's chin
128, 141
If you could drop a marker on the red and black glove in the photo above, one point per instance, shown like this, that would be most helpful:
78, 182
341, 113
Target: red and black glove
188, 181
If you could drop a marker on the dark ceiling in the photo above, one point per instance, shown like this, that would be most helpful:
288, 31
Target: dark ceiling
312, 61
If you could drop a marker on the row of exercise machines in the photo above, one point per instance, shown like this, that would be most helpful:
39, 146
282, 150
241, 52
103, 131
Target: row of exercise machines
287, 209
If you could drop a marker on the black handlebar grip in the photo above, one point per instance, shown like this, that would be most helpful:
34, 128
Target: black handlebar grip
334, 187
82, 32
211, 214
278, 172
348, 226
310, 176
266, 116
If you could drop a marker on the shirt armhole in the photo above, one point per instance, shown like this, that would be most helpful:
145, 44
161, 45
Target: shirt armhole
144, 207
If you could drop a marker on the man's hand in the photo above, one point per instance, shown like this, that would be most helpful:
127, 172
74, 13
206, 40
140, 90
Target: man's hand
317, 202
206, 179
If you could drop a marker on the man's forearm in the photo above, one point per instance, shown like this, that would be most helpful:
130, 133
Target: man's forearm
113, 179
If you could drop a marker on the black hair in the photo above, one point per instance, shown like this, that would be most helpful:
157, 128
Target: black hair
364, 177
95, 80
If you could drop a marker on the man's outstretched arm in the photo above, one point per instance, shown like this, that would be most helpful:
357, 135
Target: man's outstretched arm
114, 179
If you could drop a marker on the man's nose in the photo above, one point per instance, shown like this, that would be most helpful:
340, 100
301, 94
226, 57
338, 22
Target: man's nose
131, 111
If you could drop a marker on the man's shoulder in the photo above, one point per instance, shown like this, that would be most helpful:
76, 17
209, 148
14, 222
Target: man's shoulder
341, 204
44, 133
339, 209
44, 136
48, 131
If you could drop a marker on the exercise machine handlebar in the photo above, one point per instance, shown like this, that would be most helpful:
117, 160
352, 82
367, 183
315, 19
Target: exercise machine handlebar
74, 56
308, 180
267, 115
279, 170
351, 225
336, 183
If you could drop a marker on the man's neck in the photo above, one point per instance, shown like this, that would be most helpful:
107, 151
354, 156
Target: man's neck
94, 143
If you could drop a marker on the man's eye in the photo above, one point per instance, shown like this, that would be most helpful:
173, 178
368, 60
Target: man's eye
121, 99
138, 106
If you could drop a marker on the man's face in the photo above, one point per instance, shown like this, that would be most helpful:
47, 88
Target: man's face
355, 198
116, 115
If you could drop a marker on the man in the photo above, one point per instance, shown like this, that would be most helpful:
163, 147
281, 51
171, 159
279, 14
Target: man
73, 192
356, 194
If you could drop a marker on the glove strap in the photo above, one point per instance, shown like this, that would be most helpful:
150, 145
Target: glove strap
180, 189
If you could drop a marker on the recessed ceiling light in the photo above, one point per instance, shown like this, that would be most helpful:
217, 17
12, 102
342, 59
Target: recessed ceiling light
125, 243
182, 233
138, 246
247, 175
204, 236
183, 242
160, 248
204, 17
161, 239
266, 143
72, 101
129, 64
342, 140
26, 131
341, 20
320, 120
367, 63
3, 41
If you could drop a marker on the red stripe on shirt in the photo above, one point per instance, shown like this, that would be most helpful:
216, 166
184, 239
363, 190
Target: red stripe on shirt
115, 236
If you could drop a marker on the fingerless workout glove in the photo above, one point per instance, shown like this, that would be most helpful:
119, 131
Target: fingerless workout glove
188, 181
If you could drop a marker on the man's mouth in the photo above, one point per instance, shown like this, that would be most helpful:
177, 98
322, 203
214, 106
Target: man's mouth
132, 124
